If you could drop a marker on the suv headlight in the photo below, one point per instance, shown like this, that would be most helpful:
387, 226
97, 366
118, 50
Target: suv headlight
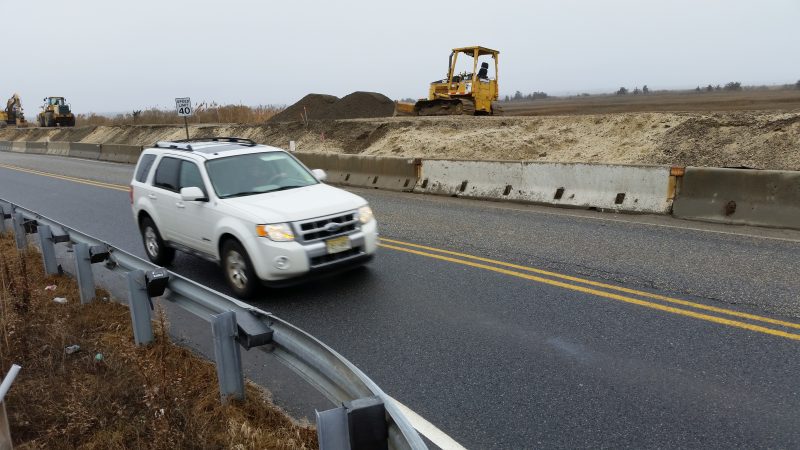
279, 232
365, 214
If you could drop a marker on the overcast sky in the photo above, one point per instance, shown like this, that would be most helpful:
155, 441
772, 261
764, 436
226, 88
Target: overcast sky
112, 56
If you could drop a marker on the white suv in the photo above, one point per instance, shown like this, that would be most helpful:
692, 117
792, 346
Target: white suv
255, 209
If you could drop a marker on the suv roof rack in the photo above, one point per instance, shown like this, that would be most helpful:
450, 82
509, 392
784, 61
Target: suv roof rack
184, 144
236, 140
173, 145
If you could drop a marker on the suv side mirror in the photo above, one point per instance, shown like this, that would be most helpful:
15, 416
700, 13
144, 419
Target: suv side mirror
193, 194
320, 174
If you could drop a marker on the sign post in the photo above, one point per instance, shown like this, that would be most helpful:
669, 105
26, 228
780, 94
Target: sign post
184, 107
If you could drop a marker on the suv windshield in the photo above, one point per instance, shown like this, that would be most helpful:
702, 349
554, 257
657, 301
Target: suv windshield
256, 173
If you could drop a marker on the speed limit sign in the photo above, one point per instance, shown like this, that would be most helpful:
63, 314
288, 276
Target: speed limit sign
184, 106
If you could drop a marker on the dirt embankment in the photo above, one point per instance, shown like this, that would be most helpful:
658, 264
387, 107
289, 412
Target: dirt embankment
765, 140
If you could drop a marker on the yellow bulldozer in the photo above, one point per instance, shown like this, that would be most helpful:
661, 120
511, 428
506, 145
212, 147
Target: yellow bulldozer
56, 113
470, 92
13, 115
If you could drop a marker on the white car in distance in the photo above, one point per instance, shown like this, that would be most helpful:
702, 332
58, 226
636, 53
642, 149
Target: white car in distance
254, 209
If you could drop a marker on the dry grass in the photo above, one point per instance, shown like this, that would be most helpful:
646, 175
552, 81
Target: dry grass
203, 113
668, 101
158, 396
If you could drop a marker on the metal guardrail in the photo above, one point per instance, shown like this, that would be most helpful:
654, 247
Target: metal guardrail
330, 373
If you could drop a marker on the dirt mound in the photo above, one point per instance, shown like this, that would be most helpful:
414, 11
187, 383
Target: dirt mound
361, 105
358, 105
315, 105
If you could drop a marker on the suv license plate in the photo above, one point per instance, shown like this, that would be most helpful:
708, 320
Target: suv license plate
339, 244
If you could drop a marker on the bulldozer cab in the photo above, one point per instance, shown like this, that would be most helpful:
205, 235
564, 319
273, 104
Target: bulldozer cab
470, 86
477, 64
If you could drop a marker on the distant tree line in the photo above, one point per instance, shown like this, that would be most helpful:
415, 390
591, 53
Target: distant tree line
732, 86
636, 91
518, 96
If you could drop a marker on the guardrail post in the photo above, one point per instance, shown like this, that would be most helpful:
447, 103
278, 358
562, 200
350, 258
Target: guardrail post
356, 425
3, 218
228, 356
332, 432
139, 305
83, 266
5, 432
48, 250
19, 231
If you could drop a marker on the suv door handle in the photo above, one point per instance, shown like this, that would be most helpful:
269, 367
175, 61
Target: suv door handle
180, 205
152, 196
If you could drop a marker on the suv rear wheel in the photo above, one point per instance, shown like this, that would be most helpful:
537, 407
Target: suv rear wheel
154, 246
238, 269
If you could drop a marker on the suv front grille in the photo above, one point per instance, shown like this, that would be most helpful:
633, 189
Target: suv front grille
327, 227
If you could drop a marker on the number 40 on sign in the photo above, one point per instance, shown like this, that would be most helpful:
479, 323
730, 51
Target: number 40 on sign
184, 106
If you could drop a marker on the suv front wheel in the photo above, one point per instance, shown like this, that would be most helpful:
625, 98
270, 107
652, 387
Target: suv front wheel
154, 246
238, 270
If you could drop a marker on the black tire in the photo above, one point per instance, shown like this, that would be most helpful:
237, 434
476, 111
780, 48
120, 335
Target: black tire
238, 270
154, 246
49, 121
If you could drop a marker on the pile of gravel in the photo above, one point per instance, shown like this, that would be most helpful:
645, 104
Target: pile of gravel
328, 107
314, 105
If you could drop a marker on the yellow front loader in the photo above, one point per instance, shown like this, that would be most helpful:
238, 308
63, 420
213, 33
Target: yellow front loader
56, 113
469, 92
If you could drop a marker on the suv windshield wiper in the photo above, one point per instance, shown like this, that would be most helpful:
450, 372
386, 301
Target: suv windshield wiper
283, 188
242, 194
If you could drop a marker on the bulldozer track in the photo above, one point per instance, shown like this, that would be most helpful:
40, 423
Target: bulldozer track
446, 107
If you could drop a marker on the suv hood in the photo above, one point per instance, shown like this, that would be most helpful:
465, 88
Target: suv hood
296, 204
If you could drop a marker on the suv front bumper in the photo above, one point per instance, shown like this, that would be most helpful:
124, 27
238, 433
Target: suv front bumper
277, 263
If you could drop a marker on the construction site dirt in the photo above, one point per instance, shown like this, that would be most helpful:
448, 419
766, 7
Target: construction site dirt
763, 140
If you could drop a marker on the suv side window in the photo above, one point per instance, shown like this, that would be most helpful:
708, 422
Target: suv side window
144, 167
167, 174
189, 176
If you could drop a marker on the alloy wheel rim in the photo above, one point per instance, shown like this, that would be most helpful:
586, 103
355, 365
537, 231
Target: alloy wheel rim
151, 242
236, 268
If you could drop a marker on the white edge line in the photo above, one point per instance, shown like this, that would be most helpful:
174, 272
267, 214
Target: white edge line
428, 429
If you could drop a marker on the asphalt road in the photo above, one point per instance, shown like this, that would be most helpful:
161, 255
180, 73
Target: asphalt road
515, 326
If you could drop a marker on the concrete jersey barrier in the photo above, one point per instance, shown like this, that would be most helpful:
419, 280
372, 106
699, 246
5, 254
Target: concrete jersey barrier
86, 151
19, 146
616, 187
58, 148
120, 153
397, 174
740, 196
38, 148
735, 196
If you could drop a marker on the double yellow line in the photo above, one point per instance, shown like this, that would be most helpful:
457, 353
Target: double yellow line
631, 296
609, 291
101, 184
